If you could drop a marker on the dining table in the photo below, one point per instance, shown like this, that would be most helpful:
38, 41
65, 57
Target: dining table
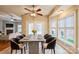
33, 44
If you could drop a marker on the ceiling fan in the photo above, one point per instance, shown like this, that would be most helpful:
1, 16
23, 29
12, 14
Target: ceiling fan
33, 11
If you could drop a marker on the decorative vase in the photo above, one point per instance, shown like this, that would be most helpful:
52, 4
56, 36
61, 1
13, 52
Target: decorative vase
34, 34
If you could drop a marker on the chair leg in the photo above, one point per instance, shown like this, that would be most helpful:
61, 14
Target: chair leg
21, 51
24, 50
42, 48
26, 45
51, 51
44, 51
54, 51
11, 51
16, 51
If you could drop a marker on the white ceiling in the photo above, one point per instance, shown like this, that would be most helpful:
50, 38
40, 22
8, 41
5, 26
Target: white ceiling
61, 8
17, 10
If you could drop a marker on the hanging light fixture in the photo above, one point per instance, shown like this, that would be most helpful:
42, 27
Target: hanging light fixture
33, 14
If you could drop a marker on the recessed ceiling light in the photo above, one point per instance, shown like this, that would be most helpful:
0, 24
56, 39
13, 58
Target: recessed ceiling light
12, 20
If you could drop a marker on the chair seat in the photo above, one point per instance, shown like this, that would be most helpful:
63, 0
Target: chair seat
45, 45
21, 46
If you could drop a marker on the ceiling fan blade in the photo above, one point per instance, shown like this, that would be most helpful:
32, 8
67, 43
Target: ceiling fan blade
39, 14
28, 9
38, 10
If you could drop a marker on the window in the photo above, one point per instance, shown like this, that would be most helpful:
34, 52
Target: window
53, 27
70, 37
70, 21
66, 28
30, 28
53, 23
19, 28
61, 23
61, 34
53, 32
37, 26
61, 31
70, 30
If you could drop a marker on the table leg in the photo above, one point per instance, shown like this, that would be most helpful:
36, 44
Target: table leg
33, 47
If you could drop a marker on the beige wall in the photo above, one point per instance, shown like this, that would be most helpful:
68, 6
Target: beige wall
38, 19
23, 24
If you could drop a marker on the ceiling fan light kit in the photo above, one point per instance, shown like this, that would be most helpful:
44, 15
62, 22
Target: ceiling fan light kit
33, 14
33, 11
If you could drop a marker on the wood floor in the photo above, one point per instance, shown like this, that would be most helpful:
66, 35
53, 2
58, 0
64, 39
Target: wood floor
59, 50
5, 48
4, 44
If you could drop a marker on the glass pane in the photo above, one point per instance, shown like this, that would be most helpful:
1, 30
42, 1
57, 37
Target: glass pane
30, 28
53, 23
53, 32
19, 28
61, 23
39, 28
70, 37
61, 34
70, 21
